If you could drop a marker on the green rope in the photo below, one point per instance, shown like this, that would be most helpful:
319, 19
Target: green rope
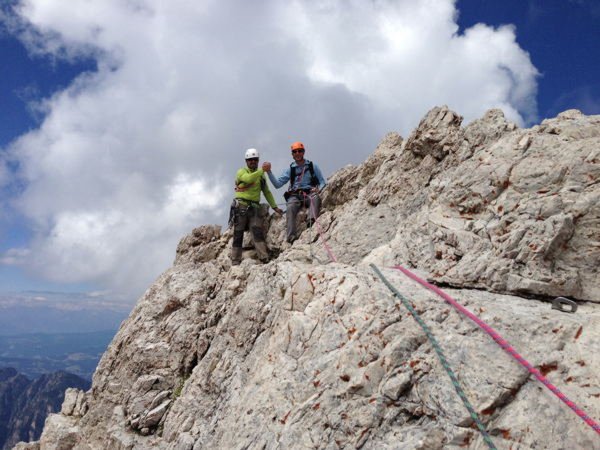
442, 358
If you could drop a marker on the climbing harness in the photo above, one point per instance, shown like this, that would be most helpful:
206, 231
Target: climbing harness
441, 357
242, 207
560, 302
314, 181
297, 180
504, 344
291, 191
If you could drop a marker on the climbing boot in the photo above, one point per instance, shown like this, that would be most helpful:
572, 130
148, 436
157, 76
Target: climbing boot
236, 256
262, 251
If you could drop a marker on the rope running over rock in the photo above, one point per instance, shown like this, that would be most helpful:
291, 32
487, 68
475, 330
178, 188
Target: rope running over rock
505, 346
442, 358
489, 330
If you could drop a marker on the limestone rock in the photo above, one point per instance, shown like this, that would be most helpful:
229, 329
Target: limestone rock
305, 353
75, 403
488, 206
437, 135
27, 446
204, 244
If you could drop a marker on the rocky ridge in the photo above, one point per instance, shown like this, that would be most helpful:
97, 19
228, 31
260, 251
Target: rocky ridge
306, 353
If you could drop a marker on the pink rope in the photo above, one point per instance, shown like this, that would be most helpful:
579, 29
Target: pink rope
319, 231
505, 345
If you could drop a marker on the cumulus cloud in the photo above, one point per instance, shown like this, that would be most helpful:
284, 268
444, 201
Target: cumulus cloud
133, 155
4, 172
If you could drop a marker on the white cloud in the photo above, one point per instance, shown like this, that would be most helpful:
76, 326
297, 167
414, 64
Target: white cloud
129, 158
4, 172
406, 56
15, 256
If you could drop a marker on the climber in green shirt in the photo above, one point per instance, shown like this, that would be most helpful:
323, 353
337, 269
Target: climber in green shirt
249, 183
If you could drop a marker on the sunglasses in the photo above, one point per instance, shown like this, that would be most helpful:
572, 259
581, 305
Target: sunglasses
297, 151
252, 159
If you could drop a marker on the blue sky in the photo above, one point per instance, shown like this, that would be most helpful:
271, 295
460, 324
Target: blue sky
24, 81
118, 137
563, 39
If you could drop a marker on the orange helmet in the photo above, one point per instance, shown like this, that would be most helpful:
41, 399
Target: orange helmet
297, 145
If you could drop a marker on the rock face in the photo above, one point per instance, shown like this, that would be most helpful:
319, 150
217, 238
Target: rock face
306, 353
487, 206
25, 404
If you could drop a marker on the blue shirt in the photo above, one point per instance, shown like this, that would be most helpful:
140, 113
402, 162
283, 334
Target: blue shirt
302, 181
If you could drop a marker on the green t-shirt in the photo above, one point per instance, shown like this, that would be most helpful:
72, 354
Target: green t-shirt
255, 182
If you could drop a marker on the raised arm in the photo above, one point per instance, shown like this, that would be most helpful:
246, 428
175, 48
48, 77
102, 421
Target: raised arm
248, 178
282, 180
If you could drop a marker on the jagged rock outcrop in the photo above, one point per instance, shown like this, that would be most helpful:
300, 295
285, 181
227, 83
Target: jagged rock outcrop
25, 404
304, 353
488, 206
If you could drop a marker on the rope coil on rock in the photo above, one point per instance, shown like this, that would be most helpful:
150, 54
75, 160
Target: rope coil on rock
505, 346
442, 358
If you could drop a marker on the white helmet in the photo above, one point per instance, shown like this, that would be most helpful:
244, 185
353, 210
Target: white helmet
251, 153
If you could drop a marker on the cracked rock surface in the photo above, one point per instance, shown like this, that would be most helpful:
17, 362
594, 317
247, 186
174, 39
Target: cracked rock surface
304, 353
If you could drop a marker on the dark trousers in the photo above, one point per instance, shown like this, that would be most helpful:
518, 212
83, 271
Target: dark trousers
248, 217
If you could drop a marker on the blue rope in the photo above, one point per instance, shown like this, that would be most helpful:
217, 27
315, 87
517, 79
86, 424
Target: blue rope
443, 360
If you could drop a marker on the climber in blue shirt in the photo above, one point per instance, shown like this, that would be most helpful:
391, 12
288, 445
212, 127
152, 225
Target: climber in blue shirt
306, 180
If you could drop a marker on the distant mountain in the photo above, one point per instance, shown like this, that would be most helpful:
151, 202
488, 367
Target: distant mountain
12, 385
40, 353
25, 404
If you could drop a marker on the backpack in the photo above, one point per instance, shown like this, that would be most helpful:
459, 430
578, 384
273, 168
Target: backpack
314, 181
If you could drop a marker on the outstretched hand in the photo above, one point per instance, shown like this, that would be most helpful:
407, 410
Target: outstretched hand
266, 166
278, 210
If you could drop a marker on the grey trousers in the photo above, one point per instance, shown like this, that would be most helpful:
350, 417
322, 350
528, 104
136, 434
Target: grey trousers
294, 204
